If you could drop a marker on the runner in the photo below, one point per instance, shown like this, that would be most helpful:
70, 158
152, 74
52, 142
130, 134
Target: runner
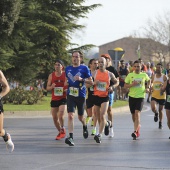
158, 97
135, 81
112, 90
123, 72
93, 64
102, 79
77, 75
166, 87
3, 91
149, 72
55, 84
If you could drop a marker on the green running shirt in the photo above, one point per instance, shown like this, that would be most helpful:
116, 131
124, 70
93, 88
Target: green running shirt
139, 90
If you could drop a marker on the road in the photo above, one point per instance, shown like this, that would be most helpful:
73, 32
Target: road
36, 149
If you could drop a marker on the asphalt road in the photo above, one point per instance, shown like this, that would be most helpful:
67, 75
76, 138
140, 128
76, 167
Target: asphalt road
35, 147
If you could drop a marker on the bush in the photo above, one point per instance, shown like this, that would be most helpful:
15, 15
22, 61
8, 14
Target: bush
19, 95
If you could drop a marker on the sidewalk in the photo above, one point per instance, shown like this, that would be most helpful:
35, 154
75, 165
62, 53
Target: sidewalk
33, 114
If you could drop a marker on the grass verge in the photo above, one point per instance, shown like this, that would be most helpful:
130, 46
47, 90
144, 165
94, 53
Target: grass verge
44, 105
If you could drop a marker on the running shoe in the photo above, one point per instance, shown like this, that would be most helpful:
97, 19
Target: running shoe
97, 138
93, 132
92, 122
156, 117
134, 135
87, 119
9, 143
61, 134
160, 125
106, 129
111, 132
148, 101
58, 137
85, 132
69, 141
138, 131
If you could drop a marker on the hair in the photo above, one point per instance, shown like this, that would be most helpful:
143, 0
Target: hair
160, 64
122, 61
78, 51
60, 61
91, 60
137, 61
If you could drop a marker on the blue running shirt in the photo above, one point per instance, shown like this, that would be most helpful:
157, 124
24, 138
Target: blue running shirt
77, 88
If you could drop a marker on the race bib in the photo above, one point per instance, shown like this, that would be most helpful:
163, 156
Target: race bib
123, 77
139, 80
58, 91
157, 86
74, 91
168, 98
91, 88
101, 86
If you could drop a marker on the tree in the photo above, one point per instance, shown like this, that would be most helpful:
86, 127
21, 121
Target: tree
9, 12
41, 35
158, 29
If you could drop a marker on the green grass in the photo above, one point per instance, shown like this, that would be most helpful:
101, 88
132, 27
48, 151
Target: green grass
44, 105
120, 103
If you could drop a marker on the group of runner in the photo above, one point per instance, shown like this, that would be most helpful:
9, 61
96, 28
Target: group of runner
92, 88
76, 79
100, 79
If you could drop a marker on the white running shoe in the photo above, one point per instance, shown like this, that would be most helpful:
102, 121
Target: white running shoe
9, 143
111, 132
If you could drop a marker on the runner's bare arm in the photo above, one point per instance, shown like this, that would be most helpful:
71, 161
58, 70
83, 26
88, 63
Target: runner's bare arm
5, 85
50, 86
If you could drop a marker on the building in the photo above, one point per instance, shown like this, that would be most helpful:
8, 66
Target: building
145, 48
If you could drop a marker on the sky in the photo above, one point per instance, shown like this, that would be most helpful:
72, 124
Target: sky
116, 19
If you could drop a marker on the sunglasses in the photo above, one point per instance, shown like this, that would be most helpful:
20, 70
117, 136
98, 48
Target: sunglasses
137, 66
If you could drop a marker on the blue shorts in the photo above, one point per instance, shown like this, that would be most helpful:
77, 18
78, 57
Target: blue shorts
75, 102
111, 98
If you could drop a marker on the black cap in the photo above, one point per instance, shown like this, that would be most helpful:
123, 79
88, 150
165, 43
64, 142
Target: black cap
60, 61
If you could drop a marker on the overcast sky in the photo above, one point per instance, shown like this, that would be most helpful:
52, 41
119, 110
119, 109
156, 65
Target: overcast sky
117, 19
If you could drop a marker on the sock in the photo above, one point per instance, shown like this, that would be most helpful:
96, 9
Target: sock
5, 137
84, 127
156, 113
71, 135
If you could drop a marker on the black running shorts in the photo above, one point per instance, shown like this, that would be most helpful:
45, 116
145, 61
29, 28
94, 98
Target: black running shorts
90, 102
57, 103
1, 107
135, 104
99, 100
159, 101
167, 106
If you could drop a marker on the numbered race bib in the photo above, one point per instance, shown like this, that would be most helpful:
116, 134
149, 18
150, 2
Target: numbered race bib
168, 98
91, 88
157, 86
123, 77
58, 91
74, 91
101, 86
139, 80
